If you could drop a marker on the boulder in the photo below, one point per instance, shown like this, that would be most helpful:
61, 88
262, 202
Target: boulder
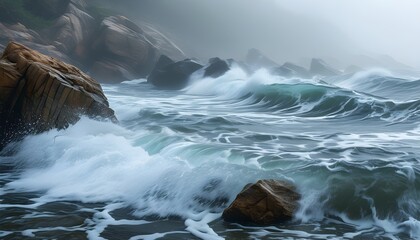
171, 75
38, 92
122, 41
291, 70
265, 202
19, 33
319, 67
73, 31
216, 68
256, 59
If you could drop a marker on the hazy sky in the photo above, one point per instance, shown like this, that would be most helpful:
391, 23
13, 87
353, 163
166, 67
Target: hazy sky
343, 32
382, 26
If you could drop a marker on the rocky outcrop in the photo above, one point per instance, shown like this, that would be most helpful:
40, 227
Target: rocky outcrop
38, 92
319, 67
171, 75
291, 70
113, 49
265, 202
123, 49
216, 68
19, 33
73, 31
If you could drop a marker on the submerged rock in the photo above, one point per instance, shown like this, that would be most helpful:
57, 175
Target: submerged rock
171, 75
264, 202
319, 67
38, 92
216, 68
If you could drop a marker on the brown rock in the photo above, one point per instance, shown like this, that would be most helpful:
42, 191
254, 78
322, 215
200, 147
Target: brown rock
264, 202
38, 93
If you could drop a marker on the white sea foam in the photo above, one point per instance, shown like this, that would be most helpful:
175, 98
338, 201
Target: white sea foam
97, 162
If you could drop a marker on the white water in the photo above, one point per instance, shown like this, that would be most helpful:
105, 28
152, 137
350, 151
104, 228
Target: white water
154, 168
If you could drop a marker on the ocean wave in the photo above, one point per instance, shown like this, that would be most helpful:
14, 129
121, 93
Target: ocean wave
311, 97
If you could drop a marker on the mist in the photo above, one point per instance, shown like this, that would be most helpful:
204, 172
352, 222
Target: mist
388, 27
344, 33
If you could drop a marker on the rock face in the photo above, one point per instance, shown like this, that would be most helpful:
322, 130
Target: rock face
171, 75
38, 93
73, 31
291, 70
113, 49
216, 68
123, 50
319, 67
267, 201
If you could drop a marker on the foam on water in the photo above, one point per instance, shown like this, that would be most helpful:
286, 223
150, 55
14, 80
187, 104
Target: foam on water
188, 154
98, 162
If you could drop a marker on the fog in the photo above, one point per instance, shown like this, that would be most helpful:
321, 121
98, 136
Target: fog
343, 32
389, 27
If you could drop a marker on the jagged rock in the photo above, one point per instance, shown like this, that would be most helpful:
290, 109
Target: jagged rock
216, 68
291, 70
256, 59
38, 92
319, 67
265, 202
168, 74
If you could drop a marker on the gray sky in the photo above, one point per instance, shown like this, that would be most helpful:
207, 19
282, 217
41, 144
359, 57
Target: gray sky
343, 32
389, 27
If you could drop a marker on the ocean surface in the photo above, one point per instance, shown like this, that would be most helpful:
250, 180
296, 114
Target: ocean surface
351, 145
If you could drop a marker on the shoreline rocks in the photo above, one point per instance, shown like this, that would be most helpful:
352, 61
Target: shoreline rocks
216, 68
110, 48
38, 92
265, 202
171, 75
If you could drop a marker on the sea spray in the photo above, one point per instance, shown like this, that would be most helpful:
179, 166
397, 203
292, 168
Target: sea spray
177, 159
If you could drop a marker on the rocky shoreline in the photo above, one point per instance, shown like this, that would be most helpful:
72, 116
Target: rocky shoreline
40, 90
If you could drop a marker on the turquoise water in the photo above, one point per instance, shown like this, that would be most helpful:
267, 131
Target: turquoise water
350, 144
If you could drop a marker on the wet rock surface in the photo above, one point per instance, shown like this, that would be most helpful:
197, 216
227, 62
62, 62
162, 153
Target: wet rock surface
38, 92
265, 202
